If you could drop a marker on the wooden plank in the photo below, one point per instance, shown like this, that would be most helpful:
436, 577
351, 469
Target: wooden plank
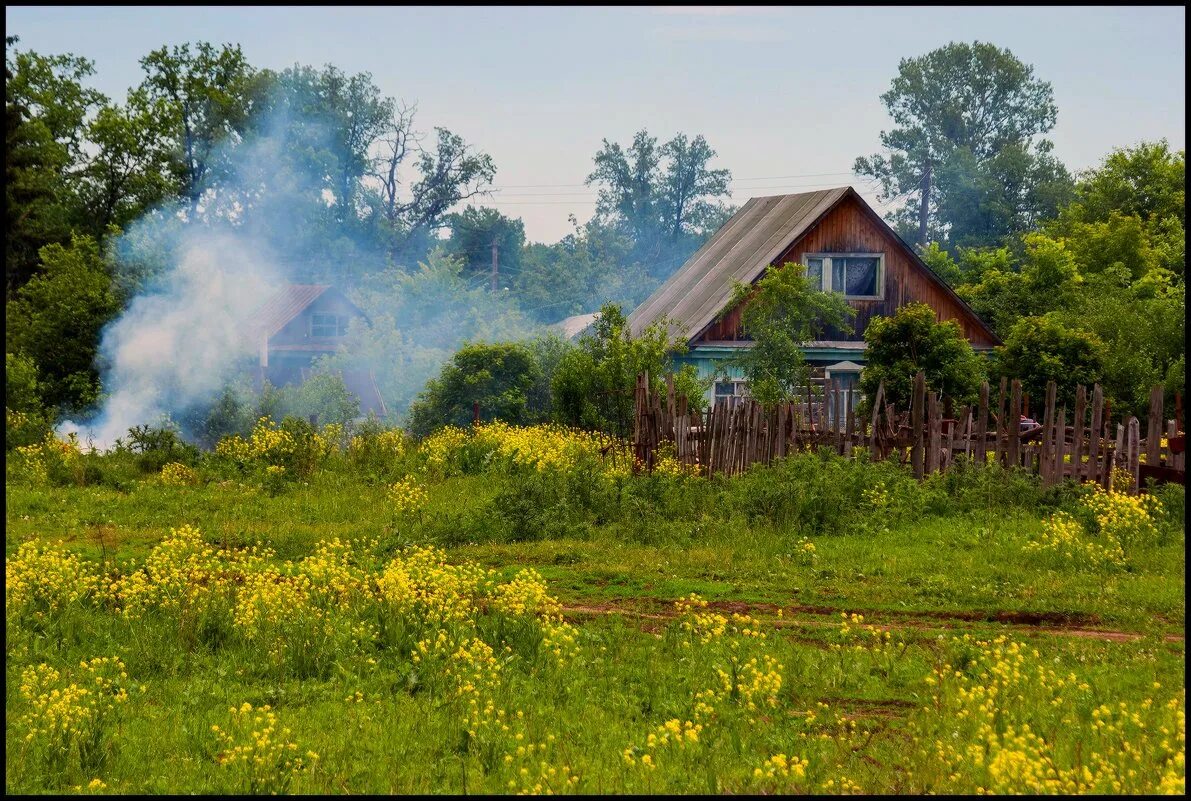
999, 447
874, 448
1168, 454
1013, 425
1133, 463
1077, 442
980, 446
1095, 441
1154, 426
850, 422
1046, 461
1060, 447
917, 422
935, 422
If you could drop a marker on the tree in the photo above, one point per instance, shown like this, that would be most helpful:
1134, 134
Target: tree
499, 377
666, 197
209, 94
782, 312
474, 234
898, 347
1041, 349
449, 173
45, 109
132, 168
56, 319
595, 383
967, 117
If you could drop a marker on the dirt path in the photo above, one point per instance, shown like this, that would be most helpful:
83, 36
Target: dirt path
1057, 624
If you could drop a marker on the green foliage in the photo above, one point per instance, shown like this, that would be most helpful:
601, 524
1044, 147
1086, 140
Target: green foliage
499, 377
964, 152
1040, 349
473, 232
782, 312
595, 382
46, 107
25, 421
898, 347
56, 319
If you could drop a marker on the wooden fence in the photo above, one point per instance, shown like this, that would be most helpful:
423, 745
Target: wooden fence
1084, 445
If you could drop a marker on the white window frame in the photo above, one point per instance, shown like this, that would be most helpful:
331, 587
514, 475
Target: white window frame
739, 391
341, 321
827, 271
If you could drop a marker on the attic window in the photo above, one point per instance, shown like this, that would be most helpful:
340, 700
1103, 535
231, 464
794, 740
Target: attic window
859, 276
328, 325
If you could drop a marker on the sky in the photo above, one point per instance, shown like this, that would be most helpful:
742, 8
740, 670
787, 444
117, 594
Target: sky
788, 97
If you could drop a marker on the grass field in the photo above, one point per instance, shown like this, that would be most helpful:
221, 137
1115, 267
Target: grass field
507, 613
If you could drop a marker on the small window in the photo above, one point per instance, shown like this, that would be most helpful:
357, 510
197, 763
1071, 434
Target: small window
856, 275
328, 325
730, 393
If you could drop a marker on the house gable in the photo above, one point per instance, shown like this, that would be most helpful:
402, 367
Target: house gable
850, 226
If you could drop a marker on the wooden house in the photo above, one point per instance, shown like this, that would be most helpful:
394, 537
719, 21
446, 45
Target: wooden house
299, 324
846, 247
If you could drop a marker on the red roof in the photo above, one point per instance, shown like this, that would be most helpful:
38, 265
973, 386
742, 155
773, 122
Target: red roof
284, 306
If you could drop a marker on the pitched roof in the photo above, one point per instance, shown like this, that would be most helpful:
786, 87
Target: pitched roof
575, 325
287, 304
741, 250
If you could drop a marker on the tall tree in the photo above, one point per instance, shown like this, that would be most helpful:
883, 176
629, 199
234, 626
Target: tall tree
132, 167
482, 235
45, 108
210, 94
666, 197
958, 110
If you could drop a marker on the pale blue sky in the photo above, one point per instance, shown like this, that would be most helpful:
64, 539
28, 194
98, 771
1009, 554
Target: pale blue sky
787, 96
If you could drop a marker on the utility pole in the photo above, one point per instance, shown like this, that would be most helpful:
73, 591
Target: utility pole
495, 262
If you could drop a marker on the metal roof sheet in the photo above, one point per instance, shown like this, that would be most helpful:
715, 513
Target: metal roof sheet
738, 252
283, 307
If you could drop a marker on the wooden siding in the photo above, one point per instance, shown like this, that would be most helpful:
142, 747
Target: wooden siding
297, 330
850, 228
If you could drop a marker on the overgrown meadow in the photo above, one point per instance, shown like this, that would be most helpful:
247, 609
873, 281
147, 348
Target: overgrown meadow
517, 610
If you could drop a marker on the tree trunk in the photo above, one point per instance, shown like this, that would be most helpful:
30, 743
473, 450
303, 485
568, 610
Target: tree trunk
924, 206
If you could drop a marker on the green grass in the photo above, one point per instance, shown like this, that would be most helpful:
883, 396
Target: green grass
935, 578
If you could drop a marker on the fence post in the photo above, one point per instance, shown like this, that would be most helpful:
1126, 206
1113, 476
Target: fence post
1046, 454
1095, 444
980, 452
1077, 448
1013, 421
916, 420
873, 446
1133, 465
935, 423
1154, 426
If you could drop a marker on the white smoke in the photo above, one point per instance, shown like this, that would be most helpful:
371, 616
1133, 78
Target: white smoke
185, 338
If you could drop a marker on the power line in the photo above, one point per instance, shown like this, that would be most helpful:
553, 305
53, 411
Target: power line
734, 180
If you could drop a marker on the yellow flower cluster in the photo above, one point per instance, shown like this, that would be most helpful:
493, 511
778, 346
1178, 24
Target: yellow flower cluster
407, 497
527, 595
68, 715
176, 474
35, 458
442, 451
258, 751
421, 584
704, 626
804, 551
271, 445
877, 497
1125, 519
1063, 538
780, 766
1010, 724
387, 444
40, 581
